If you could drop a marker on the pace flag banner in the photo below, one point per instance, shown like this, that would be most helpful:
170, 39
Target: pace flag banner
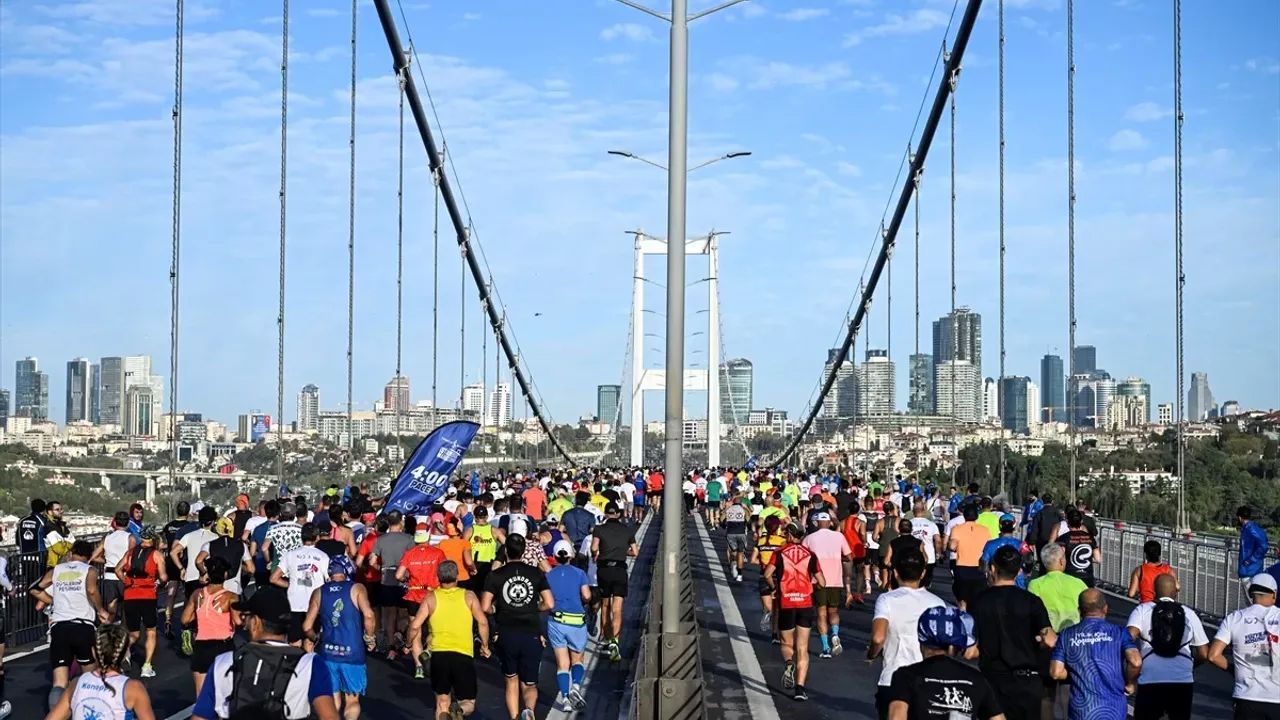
751, 463
425, 476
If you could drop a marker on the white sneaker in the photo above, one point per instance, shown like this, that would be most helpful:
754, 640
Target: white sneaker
836, 647
576, 697
5, 709
562, 702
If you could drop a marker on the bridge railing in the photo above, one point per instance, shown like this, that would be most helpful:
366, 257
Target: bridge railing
23, 623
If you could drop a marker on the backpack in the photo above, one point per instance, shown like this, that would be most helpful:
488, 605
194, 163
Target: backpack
138, 563
260, 676
1168, 623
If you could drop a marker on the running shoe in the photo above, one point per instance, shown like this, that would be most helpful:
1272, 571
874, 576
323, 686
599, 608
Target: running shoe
766, 622
789, 676
419, 673
777, 640
563, 703
148, 671
424, 657
187, 645
800, 695
615, 650
527, 714
391, 655
577, 697
836, 647
6, 708
455, 711
825, 654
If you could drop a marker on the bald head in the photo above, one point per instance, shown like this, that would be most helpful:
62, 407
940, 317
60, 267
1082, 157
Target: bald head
1093, 604
1166, 586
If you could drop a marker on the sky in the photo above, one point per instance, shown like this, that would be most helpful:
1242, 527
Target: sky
530, 96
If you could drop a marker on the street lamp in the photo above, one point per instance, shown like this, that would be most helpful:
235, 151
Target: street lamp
727, 156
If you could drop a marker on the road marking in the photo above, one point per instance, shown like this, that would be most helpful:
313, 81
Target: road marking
759, 696
592, 654
182, 714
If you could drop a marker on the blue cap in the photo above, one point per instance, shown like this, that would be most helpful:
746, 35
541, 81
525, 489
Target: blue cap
945, 627
341, 565
1007, 519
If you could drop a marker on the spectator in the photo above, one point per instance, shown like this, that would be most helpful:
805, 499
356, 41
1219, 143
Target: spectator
1253, 546
1101, 661
1172, 641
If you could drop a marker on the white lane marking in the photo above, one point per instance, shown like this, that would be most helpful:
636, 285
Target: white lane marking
759, 697
181, 714
592, 654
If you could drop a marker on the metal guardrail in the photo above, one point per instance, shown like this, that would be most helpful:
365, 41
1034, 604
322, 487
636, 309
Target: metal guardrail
23, 623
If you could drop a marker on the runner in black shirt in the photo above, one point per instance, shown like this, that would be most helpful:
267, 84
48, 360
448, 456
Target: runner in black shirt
1013, 631
612, 543
512, 593
941, 686
1082, 551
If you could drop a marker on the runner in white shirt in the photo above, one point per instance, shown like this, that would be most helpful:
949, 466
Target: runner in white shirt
952, 524
301, 571
926, 531
893, 629
628, 492
1255, 655
1165, 684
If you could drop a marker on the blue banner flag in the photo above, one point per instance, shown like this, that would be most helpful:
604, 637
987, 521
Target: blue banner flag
425, 476
751, 463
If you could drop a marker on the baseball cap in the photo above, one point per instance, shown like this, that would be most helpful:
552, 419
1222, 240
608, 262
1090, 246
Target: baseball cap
1007, 519
563, 548
196, 507
421, 536
1262, 582
945, 627
341, 565
612, 509
822, 517
553, 519
270, 603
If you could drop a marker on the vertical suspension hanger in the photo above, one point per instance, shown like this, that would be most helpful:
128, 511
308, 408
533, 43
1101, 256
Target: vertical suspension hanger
175, 257
284, 174
1071, 232
399, 251
953, 321
351, 256
435, 291
1000, 382
1179, 278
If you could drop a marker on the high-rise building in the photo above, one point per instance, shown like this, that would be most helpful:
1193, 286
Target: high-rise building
1014, 403
957, 386
958, 335
31, 391
1199, 397
1104, 390
1033, 404
1126, 411
991, 394
118, 375
1136, 387
1052, 379
736, 388
473, 400
4, 406
111, 391
396, 394
1229, 408
499, 413
842, 401
95, 393
1080, 399
78, 393
139, 411
1086, 359
920, 382
1164, 413
877, 385
608, 401
309, 408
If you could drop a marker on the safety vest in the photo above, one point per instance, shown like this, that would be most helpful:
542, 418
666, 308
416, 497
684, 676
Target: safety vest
483, 544
796, 587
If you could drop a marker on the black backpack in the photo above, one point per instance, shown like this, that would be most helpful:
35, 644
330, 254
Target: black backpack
1168, 623
138, 563
260, 676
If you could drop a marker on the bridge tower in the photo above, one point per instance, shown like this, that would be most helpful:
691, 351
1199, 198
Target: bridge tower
643, 378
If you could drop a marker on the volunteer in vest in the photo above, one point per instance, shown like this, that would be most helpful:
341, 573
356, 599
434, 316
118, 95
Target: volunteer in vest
448, 614
735, 527
835, 557
854, 529
513, 593
70, 589
209, 609
567, 626
1142, 581
770, 542
114, 547
267, 678
107, 693
795, 570
612, 543
1172, 642
1251, 634
1082, 550
142, 572
340, 622
483, 547
300, 572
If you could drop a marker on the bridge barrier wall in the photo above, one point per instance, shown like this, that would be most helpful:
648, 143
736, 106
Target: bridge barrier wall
668, 681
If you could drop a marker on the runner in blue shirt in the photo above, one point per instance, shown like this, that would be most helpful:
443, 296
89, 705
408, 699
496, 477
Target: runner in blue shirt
1100, 659
567, 626
1008, 526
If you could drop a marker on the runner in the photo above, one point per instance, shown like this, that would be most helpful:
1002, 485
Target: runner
1082, 550
871, 523
854, 529
762, 554
448, 613
1059, 591
714, 491
926, 530
1250, 632
483, 547
796, 569
967, 541
300, 572
70, 589
835, 558
258, 540
512, 593
612, 543
1009, 538
232, 550
107, 694
567, 626
419, 574
209, 611
1099, 658
1143, 578
735, 524
1172, 641
654, 486
387, 552
939, 685
141, 572
894, 629
118, 543
340, 623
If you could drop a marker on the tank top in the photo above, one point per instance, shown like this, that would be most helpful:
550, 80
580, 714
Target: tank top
870, 519
70, 603
1147, 575
768, 545
1079, 545
141, 588
889, 532
341, 625
482, 543
96, 698
451, 623
850, 531
454, 549
795, 589
422, 562
213, 619
114, 547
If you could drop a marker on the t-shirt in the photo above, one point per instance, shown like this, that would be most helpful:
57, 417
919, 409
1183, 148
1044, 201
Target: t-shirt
970, 538
305, 567
925, 530
951, 525
735, 519
943, 687
991, 521
390, 547
1160, 669
566, 583
535, 503
902, 608
284, 537
191, 544
1093, 652
311, 680
628, 491
1253, 633
1007, 620
1061, 595
1079, 545
615, 539
714, 489
830, 547
516, 588
259, 536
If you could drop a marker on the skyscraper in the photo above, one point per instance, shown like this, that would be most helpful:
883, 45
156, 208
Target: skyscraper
1052, 379
499, 413
31, 391
920, 382
737, 378
139, 417
1086, 359
1164, 413
1104, 389
991, 394
473, 401
78, 392
1033, 405
877, 385
958, 336
842, 401
1081, 398
1136, 387
4, 407
1013, 403
957, 386
95, 393
309, 408
111, 391
608, 400
1199, 397
396, 394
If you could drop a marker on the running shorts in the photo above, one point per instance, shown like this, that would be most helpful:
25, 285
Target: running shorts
350, 678
454, 672
69, 641
612, 580
519, 654
139, 614
828, 597
573, 637
203, 653
792, 618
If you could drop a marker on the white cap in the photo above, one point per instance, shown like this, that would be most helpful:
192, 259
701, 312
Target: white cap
562, 547
451, 505
197, 506
822, 517
1263, 580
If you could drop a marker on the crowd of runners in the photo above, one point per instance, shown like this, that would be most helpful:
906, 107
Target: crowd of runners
280, 605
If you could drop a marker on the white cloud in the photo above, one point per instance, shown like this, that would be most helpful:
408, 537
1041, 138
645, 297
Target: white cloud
634, 32
1263, 65
472, 16
1147, 112
916, 21
722, 83
1127, 139
848, 169
615, 59
123, 12
802, 14
324, 12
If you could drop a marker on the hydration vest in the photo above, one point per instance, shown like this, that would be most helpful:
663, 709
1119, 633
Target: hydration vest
795, 589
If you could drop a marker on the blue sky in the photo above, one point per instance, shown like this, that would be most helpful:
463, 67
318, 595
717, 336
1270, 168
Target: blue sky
531, 95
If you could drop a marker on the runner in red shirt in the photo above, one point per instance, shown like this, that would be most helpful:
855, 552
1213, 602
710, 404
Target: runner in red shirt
797, 568
653, 491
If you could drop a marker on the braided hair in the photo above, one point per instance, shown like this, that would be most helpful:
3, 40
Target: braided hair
111, 643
